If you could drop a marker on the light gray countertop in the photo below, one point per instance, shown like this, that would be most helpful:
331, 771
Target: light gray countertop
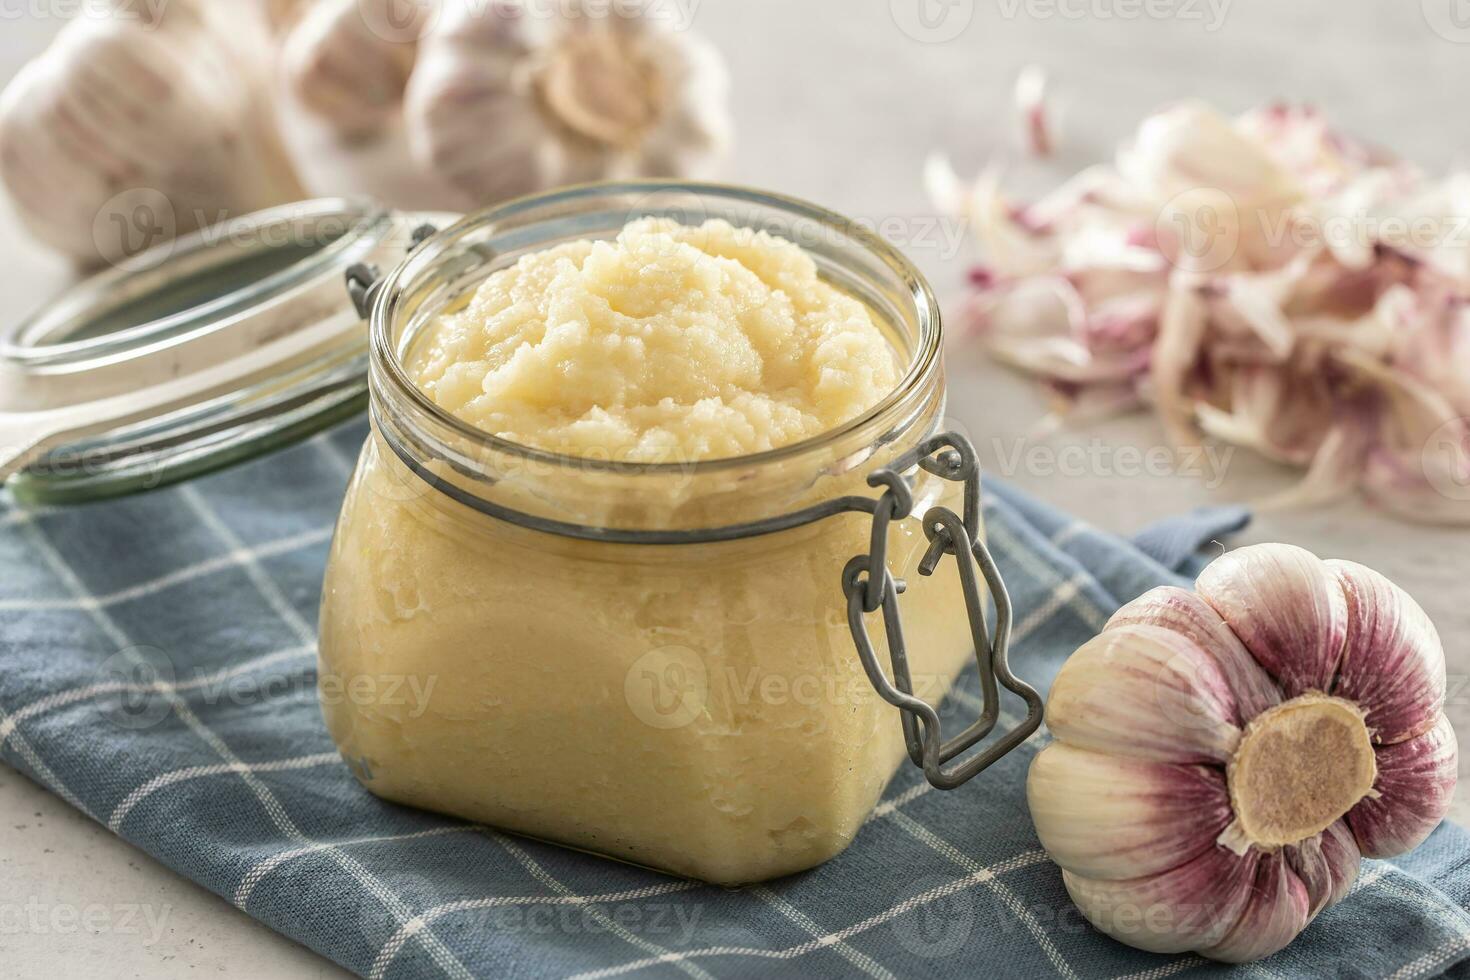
837, 102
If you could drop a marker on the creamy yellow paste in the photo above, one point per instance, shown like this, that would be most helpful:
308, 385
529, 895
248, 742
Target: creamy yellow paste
671, 342
698, 708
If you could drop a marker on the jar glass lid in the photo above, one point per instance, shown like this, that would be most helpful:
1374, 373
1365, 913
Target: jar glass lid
197, 354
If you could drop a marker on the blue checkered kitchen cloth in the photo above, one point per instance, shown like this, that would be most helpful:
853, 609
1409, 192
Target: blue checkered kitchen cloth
225, 773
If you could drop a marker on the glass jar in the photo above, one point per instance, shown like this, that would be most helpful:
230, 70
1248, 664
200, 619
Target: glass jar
666, 663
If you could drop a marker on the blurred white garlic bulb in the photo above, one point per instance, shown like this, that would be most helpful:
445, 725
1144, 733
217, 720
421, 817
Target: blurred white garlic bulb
1225, 757
127, 131
344, 69
345, 72
507, 99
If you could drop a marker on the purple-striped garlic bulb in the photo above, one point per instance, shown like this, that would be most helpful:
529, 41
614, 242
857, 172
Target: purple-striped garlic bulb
1223, 758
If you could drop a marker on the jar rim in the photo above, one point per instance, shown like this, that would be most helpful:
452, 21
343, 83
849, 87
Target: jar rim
922, 365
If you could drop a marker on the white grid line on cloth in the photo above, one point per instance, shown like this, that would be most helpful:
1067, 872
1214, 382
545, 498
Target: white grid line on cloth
1429, 964
1061, 597
1024, 860
43, 772
887, 807
142, 590
807, 925
390, 951
1095, 617
344, 463
23, 748
249, 564
1418, 899
1074, 530
1003, 892
550, 881
1184, 962
260, 871
129, 802
440, 953
61, 699
26, 515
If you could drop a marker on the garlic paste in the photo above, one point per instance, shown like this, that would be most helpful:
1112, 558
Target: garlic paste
699, 708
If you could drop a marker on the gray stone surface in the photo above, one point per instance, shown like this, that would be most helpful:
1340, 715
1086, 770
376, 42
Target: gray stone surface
838, 103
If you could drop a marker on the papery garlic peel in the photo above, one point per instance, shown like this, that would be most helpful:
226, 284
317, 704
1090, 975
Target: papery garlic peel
1223, 758
1254, 280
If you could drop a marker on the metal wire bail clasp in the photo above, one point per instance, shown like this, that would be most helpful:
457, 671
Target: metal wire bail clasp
870, 587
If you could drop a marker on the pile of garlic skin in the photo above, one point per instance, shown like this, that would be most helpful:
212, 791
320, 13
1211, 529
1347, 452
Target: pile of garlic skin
1224, 758
1263, 280
224, 107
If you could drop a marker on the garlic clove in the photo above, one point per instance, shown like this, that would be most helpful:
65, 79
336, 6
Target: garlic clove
1285, 605
693, 139
1144, 692
1101, 816
1276, 913
474, 80
1415, 785
1393, 664
1327, 864
1184, 908
1185, 612
342, 71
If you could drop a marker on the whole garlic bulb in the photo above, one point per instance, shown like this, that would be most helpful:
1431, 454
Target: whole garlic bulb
343, 71
1223, 758
122, 112
506, 100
